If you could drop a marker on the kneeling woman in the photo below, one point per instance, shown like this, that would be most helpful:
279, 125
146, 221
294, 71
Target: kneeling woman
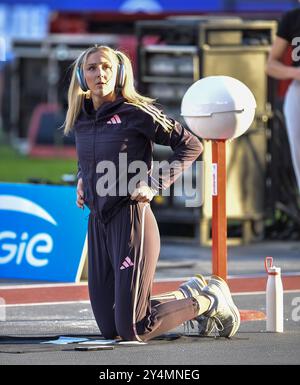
110, 120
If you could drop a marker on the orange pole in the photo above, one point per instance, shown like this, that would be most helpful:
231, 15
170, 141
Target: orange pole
219, 221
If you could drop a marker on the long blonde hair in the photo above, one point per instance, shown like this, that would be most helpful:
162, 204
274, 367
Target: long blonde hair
76, 95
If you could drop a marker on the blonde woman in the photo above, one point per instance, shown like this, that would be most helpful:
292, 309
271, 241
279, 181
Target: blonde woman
112, 121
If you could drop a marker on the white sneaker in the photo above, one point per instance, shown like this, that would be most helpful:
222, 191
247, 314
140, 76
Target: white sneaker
223, 310
193, 288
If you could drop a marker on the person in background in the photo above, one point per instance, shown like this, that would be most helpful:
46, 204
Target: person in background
288, 33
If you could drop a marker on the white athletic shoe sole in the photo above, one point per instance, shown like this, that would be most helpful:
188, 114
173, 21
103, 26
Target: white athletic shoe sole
219, 289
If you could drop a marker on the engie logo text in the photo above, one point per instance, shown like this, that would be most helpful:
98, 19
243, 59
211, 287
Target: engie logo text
31, 247
41, 232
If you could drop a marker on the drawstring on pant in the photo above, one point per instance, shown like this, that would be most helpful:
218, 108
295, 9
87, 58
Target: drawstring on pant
138, 271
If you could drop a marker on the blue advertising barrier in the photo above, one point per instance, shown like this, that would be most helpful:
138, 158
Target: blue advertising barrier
130, 6
42, 232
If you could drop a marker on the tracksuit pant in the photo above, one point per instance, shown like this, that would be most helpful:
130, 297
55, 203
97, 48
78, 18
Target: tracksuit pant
122, 258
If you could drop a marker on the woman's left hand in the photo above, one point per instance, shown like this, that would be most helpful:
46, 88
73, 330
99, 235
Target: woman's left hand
142, 193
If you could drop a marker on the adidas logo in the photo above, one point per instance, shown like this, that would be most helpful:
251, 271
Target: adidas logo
126, 263
114, 120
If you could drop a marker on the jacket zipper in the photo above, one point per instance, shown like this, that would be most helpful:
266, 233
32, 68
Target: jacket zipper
95, 173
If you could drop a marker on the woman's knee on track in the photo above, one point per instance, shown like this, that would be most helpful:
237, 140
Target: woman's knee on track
109, 333
126, 331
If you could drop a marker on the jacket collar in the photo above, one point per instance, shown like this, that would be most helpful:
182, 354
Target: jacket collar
105, 109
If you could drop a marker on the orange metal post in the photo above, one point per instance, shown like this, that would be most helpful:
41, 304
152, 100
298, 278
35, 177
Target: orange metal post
219, 221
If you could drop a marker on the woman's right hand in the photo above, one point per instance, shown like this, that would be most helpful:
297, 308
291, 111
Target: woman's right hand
80, 194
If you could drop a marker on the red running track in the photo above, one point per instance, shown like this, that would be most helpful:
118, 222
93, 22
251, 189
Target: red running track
47, 293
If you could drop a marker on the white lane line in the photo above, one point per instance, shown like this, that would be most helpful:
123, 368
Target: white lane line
40, 286
44, 303
262, 292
